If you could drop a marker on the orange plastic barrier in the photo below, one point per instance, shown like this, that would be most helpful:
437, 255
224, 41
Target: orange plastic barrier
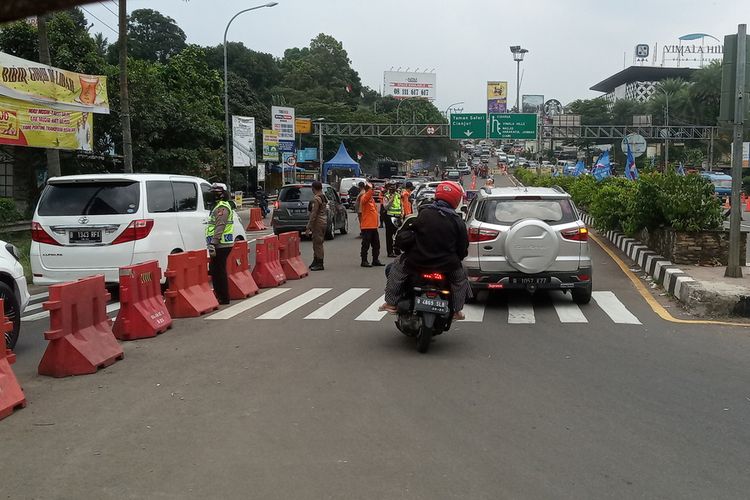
241, 282
289, 256
143, 313
189, 293
268, 272
80, 335
11, 395
256, 220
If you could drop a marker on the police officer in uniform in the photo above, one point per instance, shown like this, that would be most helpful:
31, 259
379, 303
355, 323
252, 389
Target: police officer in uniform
219, 238
393, 209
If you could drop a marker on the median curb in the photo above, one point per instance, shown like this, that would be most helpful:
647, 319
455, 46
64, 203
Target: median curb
691, 294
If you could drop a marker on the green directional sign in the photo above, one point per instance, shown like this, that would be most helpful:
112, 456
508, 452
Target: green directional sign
513, 126
469, 126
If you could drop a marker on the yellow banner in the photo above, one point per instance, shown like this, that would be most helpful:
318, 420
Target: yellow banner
303, 125
53, 87
497, 90
26, 124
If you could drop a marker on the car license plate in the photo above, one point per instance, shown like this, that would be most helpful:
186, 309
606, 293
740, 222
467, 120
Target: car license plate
299, 210
529, 281
85, 237
437, 306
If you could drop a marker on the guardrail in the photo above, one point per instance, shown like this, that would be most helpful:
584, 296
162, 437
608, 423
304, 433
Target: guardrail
16, 227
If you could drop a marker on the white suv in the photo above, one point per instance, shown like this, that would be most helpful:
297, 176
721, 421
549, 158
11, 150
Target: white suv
528, 238
13, 290
95, 224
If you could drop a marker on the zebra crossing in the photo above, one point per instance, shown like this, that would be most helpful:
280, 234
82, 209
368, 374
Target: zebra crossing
353, 303
280, 303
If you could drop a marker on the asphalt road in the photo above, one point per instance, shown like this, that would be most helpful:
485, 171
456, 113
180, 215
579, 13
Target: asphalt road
533, 398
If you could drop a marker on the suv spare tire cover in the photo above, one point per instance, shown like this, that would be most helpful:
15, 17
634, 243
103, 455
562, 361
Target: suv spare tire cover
531, 246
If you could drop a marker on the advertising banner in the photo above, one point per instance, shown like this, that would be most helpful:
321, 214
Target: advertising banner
282, 121
243, 141
55, 88
497, 97
27, 124
405, 85
303, 125
270, 145
532, 104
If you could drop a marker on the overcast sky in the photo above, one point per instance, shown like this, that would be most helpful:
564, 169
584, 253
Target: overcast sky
572, 44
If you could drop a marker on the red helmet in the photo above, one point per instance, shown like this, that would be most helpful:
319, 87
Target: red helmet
450, 192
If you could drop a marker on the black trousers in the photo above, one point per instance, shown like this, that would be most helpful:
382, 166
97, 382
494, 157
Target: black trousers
218, 269
370, 238
390, 234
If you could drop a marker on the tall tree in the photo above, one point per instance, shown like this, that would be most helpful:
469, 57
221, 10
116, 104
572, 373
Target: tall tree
153, 36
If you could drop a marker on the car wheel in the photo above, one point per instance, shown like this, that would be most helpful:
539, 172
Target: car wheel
582, 295
329, 232
12, 313
345, 228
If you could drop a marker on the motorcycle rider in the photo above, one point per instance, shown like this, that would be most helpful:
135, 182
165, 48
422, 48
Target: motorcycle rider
440, 244
262, 199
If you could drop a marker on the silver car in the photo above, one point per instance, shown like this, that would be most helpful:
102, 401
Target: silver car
528, 238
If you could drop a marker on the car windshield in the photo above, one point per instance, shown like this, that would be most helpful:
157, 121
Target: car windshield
296, 193
508, 211
90, 198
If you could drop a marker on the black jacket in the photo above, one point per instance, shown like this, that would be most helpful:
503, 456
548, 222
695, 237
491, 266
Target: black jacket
441, 241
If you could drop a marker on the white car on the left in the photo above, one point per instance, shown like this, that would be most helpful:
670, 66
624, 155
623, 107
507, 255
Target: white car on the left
13, 290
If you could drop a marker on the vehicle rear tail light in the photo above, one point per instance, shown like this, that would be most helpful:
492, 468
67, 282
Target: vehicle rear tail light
584, 277
39, 235
476, 234
431, 295
276, 205
433, 276
577, 234
136, 230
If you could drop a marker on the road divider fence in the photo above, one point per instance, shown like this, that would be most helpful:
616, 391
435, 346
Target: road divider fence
256, 220
12, 397
268, 272
289, 256
241, 282
143, 313
189, 293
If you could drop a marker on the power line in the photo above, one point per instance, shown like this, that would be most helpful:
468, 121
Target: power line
105, 24
112, 11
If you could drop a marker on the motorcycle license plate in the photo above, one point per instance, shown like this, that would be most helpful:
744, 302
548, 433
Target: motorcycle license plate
436, 306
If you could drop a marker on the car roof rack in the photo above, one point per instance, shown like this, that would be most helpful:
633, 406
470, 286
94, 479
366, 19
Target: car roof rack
559, 189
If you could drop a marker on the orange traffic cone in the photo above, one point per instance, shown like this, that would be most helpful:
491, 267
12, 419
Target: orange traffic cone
727, 206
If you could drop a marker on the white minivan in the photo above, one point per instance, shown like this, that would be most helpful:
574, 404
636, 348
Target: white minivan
95, 224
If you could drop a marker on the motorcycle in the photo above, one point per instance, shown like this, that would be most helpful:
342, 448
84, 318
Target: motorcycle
425, 309
262, 200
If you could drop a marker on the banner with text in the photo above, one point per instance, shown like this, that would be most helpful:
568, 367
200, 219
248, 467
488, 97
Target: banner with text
26, 124
406, 85
270, 145
243, 141
497, 97
55, 88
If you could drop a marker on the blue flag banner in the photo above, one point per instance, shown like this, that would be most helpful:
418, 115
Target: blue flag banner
602, 168
681, 169
631, 171
580, 168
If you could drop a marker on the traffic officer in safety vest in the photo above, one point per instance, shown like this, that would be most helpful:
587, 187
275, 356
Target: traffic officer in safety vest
394, 212
219, 238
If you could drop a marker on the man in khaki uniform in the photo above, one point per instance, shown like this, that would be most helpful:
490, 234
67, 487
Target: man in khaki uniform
316, 226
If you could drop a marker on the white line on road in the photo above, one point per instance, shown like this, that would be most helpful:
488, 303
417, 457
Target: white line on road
115, 306
294, 304
474, 313
372, 313
615, 309
519, 313
247, 304
42, 295
566, 310
327, 311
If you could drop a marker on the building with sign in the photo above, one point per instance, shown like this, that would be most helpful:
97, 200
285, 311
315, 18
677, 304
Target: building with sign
638, 83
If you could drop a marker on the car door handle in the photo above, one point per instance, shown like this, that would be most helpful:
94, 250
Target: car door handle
487, 247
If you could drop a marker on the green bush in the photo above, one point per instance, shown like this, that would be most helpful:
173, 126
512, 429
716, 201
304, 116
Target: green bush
8, 211
612, 206
688, 203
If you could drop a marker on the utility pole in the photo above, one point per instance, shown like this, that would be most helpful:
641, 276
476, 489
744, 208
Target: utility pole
127, 141
53, 155
735, 219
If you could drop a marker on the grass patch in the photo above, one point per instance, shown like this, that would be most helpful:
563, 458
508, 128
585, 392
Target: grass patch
22, 241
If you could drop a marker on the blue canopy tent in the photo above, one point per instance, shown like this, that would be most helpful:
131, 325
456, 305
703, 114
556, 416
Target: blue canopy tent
341, 160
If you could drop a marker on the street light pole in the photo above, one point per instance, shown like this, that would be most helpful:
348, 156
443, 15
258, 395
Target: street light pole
226, 90
518, 53
320, 121
666, 130
447, 110
400, 102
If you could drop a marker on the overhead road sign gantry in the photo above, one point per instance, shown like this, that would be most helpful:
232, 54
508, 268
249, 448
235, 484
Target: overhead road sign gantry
513, 126
468, 126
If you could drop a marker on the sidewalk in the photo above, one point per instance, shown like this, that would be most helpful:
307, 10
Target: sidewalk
724, 295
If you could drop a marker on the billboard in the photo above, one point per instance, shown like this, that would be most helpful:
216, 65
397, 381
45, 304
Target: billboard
532, 104
27, 124
50, 87
282, 121
405, 85
303, 125
270, 145
243, 141
497, 97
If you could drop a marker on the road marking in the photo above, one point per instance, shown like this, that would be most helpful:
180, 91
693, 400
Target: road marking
294, 304
115, 306
474, 313
33, 307
42, 295
327, 311
519, 313
372, 313
567, 310
650, 300
247, 304
615, 309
